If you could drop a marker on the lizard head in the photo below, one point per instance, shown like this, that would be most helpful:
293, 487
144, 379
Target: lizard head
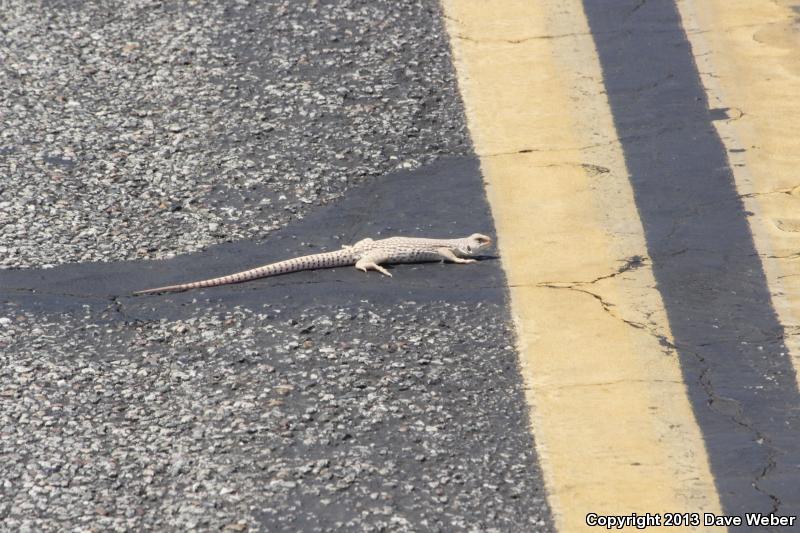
474, 243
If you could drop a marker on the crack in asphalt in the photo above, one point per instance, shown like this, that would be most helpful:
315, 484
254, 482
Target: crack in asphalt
714, 401
636, 8
625, 31
616, 140
791, 191
522, 40
607, 306
630, 264
617, 382
592, 168
790, 256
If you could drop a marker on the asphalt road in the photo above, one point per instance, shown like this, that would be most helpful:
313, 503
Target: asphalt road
225, 135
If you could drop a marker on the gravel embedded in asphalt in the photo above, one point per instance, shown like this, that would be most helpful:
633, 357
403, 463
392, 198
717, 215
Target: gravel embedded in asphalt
361, 417
144, 129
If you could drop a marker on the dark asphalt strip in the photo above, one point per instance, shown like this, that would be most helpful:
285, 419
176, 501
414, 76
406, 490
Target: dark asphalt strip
445, 199
372, 399
735, 363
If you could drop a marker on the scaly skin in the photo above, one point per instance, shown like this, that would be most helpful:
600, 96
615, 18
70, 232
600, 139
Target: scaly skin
366, 255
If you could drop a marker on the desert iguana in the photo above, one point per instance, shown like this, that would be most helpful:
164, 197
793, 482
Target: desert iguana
366, 255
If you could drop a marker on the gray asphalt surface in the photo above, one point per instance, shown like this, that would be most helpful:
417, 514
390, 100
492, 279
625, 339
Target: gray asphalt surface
142, 129
363, 417
321, 401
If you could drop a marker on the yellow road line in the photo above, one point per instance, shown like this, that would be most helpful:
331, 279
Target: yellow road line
614, 428
748, 56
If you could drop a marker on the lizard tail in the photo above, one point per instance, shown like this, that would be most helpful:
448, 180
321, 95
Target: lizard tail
308, 262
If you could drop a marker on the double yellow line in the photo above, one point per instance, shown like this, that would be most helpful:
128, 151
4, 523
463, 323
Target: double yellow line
614, 428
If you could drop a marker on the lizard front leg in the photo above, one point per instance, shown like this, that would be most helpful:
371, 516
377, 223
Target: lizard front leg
448, 255
370, 262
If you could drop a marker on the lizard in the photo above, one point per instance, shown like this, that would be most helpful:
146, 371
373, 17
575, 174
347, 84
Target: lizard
366, 254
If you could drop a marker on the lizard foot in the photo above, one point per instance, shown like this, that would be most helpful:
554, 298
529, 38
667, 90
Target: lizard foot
363, 266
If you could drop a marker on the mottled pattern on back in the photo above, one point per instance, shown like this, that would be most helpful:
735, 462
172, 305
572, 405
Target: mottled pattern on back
366, 254
407, 249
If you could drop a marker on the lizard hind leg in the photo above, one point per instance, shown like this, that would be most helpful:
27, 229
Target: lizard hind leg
363, 242
371, 263
352, 247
